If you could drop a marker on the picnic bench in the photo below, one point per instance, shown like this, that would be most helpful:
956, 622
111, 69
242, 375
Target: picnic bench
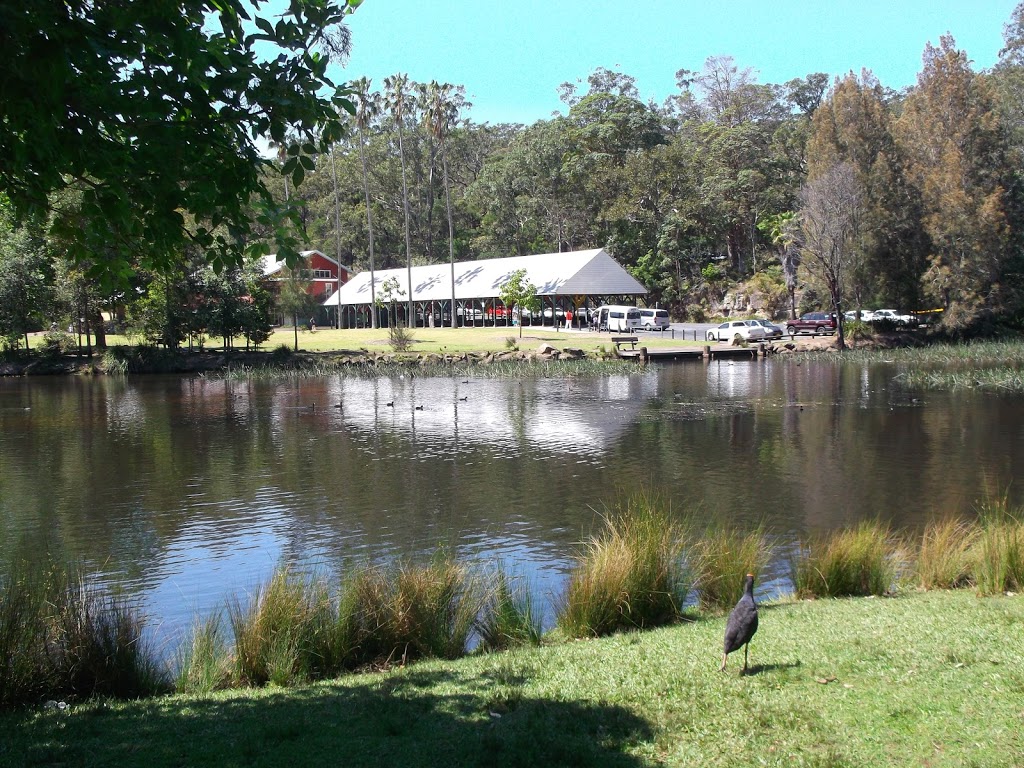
619, 341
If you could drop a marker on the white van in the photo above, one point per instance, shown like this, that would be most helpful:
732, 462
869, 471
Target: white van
654, 319
617, 319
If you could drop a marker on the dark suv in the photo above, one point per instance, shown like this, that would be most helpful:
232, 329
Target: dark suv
812, 322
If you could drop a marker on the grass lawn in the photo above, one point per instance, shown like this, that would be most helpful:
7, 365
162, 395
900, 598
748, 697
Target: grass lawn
443, 340
932, 679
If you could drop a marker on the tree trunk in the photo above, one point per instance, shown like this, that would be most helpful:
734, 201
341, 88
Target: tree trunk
101, 331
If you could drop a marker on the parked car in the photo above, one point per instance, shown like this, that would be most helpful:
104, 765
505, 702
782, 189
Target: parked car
865, 315
812, 322
654, 319
744, 330
771, 330
892, 316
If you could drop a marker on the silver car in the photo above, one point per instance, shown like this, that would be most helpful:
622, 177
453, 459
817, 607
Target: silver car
771, 330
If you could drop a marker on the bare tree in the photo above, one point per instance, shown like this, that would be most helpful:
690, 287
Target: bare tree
828, 237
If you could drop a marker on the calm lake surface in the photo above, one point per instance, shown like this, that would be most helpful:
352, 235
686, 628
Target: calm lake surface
183, 491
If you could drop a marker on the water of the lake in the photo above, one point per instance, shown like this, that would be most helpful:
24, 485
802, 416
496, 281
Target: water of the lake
182, 491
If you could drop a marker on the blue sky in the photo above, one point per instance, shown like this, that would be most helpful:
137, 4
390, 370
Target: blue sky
511, 55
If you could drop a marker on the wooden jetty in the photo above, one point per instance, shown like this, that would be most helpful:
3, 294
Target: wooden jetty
706, 352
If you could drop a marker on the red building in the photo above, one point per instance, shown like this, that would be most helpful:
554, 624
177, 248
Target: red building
323, 273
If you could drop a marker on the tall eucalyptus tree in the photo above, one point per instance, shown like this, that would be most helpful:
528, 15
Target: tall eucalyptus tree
367, 107
444, 102
397, 98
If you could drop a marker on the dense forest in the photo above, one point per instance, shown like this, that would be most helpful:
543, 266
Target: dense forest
823, 191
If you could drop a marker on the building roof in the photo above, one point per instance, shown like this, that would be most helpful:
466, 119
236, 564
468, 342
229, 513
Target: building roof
272, 265
576, 273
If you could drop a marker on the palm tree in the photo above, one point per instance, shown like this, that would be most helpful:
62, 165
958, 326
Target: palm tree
443, 105
397, 99
367, 107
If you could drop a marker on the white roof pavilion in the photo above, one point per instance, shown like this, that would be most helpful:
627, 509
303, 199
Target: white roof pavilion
576, 273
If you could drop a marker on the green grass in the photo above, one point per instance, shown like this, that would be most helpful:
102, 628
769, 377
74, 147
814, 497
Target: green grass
204, 664
500, 369
924, 679
437, 340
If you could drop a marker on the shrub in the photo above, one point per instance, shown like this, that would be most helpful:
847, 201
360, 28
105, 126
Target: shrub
722, 558
433, 608
63, 637
858, 561
113, 362
400, 338
857, 330
56, 343
105, 651
511, 342
629, 575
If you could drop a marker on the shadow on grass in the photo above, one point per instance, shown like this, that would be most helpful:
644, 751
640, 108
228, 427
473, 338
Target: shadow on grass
397, 720
757, 669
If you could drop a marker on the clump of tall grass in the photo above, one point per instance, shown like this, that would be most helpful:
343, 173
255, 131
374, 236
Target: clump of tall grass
102, 648
433, 607
62, 637
629, 575
113, 363
405, 610
508, 618
722, 558
858, 561
26, 669
999, 548
284, 634
945, 559
205, 663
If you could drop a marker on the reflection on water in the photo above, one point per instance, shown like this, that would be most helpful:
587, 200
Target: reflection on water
185, 490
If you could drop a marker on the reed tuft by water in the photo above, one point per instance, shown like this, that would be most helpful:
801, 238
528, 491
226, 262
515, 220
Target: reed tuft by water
629, 575
62, 637
276, 632
999, 548
945, 558
858, 561
508, 618
722, 558
204, 663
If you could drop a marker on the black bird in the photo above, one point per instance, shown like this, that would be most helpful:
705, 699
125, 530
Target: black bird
742, 625
464, 399
391, 404
419, 407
